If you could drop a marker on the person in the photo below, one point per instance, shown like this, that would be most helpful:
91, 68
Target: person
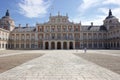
85, 50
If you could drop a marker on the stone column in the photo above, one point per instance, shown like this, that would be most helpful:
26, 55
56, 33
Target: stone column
61, 44
109, 43
19, 41
73, 45
15, 41
61, 28
68, 45
43, 45
97, 44
73, 36
119, 45
116, 45
50, 33
10, 45
86, 44
0, 44
30, 41
50, 28
55, 45
24, 41
14, 45
43, 36
19, 45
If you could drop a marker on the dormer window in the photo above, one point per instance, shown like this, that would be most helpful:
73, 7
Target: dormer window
110, 21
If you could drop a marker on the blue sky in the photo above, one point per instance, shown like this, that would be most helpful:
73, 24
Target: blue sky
33, 11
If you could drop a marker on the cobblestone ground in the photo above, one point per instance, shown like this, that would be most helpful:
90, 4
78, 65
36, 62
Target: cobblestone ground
110, 61
59, 65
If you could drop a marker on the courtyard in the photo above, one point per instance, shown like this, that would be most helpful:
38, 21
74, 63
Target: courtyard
59, 65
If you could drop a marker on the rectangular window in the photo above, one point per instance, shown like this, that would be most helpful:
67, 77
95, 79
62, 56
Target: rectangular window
90, 45
2, 45
17, 45
22, 45
12, 45
27, 45
32, 45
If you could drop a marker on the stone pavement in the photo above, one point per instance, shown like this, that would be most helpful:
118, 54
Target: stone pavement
59, 65
106, 52
4, 53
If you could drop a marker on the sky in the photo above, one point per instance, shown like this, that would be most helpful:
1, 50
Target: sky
38, 11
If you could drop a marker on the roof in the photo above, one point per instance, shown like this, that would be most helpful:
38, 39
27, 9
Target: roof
24, 29
90, 28
103, 28
110, 15
93, 28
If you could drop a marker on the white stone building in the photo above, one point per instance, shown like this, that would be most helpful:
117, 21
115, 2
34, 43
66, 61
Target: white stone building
60, 33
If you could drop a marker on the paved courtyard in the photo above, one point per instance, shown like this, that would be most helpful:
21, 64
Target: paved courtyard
64, 65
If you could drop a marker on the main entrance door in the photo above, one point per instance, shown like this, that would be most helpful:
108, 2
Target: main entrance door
64, 45
53, 45
71, 45
58, 45
46, 45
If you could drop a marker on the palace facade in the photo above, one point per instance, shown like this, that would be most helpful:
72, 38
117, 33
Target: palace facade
60, 33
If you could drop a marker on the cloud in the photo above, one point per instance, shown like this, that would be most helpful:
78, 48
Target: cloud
116, 2
96, 11
33, 8
86, 4
116, 12
97, 20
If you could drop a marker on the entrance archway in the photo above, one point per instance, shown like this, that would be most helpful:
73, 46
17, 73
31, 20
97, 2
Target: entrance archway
52, 45
46, 45
58, 45
71, 45
64, 45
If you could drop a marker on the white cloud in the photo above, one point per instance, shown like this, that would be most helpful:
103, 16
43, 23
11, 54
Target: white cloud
117, 2
86, 4
116, 12
33, 8
97, 20
103, 10
100, 11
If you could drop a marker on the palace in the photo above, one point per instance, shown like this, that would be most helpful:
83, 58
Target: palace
60, 33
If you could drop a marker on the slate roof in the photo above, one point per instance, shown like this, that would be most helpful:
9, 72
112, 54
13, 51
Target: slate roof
24, 29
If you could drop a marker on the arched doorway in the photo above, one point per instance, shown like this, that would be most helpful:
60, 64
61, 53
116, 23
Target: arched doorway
52, 45
46, 45
64, 45
71, 45
58, 45
118, 44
